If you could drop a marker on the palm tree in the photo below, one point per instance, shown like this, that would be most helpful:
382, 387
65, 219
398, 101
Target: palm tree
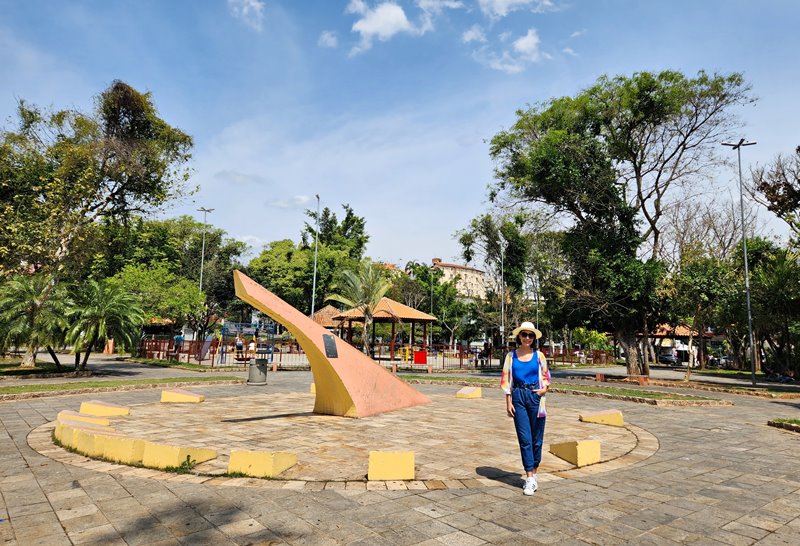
102, 310
32, 313
361, 289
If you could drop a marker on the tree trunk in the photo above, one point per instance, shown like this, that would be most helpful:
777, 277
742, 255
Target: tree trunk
628, 342
77, 360
89, 348
54, 357
691, 356
29, 360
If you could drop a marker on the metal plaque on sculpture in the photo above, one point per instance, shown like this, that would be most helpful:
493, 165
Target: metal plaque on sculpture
330, 346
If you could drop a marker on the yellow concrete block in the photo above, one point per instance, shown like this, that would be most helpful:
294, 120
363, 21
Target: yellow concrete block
104, 409
65, 431
312, 389
90, 442
580, 453
75, 416
391, 465
469, 392
164, 455
607, 417
261, 464
122, 449
181, 396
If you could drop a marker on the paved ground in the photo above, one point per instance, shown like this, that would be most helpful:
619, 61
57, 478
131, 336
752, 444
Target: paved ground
718, 476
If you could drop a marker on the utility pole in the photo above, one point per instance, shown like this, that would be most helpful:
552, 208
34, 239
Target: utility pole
316, 248
738, 147
205, 211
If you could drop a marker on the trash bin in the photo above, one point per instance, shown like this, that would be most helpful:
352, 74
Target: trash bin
257, 374
420, 357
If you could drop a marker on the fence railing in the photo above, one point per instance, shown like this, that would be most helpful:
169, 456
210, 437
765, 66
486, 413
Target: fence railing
289, 355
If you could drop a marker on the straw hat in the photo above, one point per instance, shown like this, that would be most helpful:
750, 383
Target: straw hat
527, 326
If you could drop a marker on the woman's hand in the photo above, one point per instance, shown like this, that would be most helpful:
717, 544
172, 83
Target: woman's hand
542, 392
509, 407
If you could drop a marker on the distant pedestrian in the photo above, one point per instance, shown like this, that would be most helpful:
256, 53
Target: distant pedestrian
525, 381
239, 344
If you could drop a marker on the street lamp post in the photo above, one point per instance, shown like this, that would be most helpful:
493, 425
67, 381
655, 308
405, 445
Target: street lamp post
738, 147
502, 298
205, 211
316, 248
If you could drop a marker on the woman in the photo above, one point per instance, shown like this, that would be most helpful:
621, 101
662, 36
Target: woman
525, 380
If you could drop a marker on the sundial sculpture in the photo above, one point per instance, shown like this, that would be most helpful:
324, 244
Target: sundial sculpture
348, 382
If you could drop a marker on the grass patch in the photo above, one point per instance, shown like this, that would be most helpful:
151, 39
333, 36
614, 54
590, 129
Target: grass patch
168, 364
186, 467
613, 391
788, 421
55, 387
619, 391
10, 368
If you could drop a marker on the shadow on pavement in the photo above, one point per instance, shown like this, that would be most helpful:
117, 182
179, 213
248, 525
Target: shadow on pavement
498, 475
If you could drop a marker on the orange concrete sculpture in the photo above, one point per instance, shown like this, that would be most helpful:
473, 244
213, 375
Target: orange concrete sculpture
348, 382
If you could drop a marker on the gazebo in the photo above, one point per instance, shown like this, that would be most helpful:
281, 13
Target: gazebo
392, 311
325, 317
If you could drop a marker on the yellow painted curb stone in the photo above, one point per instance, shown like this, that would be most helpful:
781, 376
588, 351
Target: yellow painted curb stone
90, 442
607, 417
582, 453
181, 396
75, 416
163, 455
122, 449
104, 409
312, 389
65, 431
261, 464
469, 392
391, 465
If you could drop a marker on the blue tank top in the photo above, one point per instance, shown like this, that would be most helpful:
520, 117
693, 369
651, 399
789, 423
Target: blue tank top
525, 372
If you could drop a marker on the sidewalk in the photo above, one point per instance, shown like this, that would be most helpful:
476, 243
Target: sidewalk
719, 476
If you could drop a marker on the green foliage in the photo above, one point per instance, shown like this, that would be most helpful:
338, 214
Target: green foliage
61, 172
160, 293
103, 310
590, 339
349, 235
32, 313
361, 289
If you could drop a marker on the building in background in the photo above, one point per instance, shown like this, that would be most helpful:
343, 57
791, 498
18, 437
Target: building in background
471, 282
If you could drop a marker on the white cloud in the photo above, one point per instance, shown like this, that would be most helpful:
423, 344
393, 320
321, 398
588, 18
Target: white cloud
388, 19
497, 9
298, 201
236, 177
523, 52
383, 22
473, 34
250, 12
528, 46
577, 33
328, 39
433, 8
569, 51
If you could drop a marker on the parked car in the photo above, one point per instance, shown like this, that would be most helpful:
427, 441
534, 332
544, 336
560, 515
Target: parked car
670, 360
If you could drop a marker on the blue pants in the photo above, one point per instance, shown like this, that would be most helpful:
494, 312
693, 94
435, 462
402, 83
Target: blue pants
530, 427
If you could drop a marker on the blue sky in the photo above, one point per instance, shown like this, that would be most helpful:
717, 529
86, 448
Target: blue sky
383, 105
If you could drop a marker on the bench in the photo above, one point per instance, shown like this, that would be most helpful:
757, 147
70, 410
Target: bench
641, 379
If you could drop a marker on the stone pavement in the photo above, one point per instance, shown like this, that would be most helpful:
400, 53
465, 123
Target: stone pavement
718, 476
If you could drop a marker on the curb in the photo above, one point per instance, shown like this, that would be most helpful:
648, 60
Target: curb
138, 387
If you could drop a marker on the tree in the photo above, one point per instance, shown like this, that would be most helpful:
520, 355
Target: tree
552, 159
160, 293
658, 130
32, 312
699, 287
350, 234
361, 289
102, 310
779, 186
63, 171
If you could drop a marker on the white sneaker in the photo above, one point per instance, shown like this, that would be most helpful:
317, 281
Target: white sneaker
530, 486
